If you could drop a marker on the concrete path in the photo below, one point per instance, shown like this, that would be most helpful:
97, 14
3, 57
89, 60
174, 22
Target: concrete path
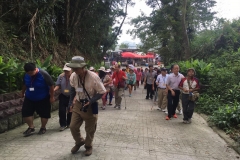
138, 133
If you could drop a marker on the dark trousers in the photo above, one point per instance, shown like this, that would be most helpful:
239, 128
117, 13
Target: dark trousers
188, 107
64, 117
172, 102
110, 96
149, 91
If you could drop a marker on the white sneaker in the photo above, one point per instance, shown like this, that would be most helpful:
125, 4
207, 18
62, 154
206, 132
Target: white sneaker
164, 110
180, 112
159, 109
115, 106
103, 107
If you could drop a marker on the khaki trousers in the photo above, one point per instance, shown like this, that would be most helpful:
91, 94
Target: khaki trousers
118, 95
162, 98
90, 124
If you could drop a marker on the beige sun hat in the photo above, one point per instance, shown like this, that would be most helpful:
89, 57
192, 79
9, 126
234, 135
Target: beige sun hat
102, 69
77, 62
108, 70
91, 68
66, 68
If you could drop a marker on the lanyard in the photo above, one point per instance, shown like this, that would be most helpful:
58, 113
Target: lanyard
67, 80
32, 79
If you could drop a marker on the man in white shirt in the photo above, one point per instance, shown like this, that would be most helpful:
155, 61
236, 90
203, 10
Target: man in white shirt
162, 90
173, 81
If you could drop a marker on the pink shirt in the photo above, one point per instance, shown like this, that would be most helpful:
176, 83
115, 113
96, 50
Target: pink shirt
138, 75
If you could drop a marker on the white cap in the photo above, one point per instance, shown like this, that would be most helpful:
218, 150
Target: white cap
108, 70
102, 69
66, 68
91, 68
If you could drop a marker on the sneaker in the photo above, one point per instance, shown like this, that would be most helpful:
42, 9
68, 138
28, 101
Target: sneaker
180, 112
164, 110
175, 116
159, 109
62, 128
130, 95
185, 121
28, 132
189, 120
119, 107
103, 107
167, 118
115, 106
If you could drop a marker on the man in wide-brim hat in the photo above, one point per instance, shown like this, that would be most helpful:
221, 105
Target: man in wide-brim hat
88, 88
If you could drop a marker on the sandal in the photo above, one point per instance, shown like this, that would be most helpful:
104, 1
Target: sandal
42, 131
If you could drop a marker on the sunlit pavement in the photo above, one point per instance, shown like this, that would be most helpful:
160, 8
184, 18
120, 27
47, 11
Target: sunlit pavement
137, 132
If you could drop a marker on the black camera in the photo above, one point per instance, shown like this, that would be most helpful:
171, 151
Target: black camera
84, 101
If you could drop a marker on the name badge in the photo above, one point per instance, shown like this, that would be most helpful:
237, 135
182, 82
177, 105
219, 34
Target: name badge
31, 89
66, 91
79, 89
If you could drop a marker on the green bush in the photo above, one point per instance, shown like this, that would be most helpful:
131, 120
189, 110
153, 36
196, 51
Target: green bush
226, 116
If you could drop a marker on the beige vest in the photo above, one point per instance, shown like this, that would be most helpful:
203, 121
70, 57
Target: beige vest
92, 84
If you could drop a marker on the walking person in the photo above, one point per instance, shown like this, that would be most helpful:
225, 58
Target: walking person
149, 81
155, 88
63, 83
188, 85
38, 93
173, 81
131, 80
106, 82
87, 87
110, 93
162, 90
119, 84
138, 77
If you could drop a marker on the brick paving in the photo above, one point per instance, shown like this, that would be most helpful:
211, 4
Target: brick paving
138, 133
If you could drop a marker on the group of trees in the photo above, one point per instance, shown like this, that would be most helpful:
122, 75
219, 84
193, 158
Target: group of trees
36, 28
172, 26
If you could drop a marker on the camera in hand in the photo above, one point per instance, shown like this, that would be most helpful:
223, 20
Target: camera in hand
84, 101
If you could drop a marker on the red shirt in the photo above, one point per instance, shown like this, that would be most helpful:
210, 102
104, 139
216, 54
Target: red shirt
118, 76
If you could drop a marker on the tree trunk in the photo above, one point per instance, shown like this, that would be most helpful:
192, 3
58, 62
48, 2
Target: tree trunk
186, 46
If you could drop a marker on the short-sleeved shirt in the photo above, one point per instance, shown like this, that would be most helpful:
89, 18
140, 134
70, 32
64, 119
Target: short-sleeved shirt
106, 79
194, 83
150, 77
41, 83
92, 84
118, 77
161, 80
173, 80
64, 83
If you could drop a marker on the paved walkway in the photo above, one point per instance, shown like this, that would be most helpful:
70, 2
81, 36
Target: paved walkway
138, 133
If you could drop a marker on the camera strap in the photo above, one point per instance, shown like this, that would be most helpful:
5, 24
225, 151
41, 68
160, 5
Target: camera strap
82, 83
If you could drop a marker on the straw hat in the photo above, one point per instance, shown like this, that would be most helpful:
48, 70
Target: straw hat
91, 68
102, 69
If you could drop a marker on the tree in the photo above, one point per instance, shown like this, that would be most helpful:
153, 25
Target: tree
172, 25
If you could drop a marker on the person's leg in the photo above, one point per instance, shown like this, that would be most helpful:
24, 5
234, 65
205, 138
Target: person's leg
164, 100
116, 96
90, 127
185, 106
62, 111
69, 117
104, 99
120, 93
110, 97
148, 90
155, 95
170, 104
76, 123
160, 98
129, 89
151, 91
44, 122
191, 106
175, 102
29, 121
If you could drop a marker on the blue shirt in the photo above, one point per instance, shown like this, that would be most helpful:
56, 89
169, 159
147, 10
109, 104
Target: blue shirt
41, 82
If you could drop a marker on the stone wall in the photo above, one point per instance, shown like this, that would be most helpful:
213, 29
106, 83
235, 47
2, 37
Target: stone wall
11, 108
